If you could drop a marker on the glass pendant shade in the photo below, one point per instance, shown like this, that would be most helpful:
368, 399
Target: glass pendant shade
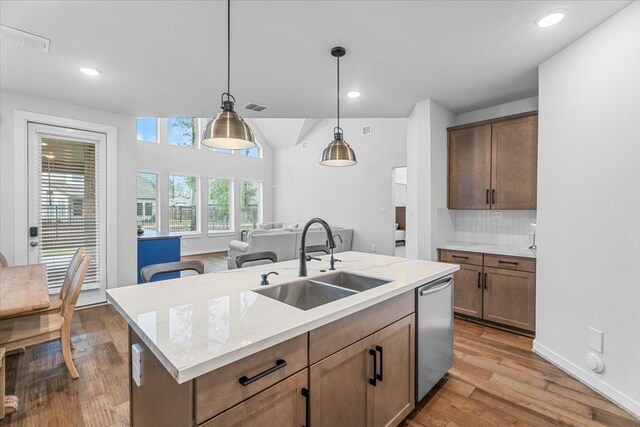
228, 130
338, 153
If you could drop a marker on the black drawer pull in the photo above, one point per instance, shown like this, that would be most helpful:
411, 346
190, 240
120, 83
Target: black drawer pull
379, 350
479, 280
372, 380
486, 197
507, 262
245, 381
307, 406
486, 285
493, 196
459, 256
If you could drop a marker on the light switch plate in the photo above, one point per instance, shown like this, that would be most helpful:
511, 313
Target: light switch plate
596, 340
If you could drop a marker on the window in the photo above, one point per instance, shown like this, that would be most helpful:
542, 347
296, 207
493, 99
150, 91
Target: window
147, 200
182, 131
183, 204
250, 204
147, 129
255, 152
220, 205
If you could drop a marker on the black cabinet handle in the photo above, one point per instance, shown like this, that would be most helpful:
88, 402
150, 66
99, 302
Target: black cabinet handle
459, 256
507, 262
485, 281
479, 280
486, 196
307, 405
379, 350
245, 381
493, 196
372, 380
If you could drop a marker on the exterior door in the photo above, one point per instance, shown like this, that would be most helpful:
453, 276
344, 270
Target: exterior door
340, 391
67, 201
470, 167
467, 290
510, 297
514, 149
394, 393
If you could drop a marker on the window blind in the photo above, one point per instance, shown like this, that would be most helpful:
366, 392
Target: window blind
69, 212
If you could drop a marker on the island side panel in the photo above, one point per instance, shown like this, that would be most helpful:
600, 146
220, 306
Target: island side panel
160, 400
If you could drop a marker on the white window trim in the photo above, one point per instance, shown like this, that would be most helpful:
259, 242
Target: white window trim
20, 187
158, 174
198, 230
261, 197
232, 205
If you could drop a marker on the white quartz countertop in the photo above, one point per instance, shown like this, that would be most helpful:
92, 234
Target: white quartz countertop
489, 249
196, 324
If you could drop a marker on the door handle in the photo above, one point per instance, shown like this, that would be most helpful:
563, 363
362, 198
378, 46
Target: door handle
379, 350
493, 196
307, 406
486, 285
479, 280
33, 243
486, 196
432, 290
372, 380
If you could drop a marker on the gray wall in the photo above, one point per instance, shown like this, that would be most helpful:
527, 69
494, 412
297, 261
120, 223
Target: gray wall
589, 206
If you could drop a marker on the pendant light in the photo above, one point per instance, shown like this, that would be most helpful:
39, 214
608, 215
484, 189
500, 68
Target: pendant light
227, 129
338, 152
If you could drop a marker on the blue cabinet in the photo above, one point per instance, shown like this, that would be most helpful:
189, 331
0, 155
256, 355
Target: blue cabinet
155, 248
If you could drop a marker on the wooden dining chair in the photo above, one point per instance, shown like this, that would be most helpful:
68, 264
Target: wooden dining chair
8, 404
149, 271
56, 301
26, 331
3, 261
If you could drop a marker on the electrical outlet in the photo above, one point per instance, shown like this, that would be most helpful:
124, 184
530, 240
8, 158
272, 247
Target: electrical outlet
374, 248
596, 340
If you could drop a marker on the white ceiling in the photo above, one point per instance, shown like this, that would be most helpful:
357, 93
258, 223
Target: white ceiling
167, 58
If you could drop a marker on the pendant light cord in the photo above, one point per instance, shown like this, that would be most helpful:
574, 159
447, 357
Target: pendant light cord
228, 46
339, 130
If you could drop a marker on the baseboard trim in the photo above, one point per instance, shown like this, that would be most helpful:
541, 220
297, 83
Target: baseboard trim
208, 251
615, 395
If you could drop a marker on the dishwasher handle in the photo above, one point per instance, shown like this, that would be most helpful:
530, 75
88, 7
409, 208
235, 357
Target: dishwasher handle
432, 288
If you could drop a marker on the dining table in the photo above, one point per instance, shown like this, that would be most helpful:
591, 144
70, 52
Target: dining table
23, 289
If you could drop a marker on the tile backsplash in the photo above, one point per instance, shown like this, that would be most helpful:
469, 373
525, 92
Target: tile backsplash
492, 227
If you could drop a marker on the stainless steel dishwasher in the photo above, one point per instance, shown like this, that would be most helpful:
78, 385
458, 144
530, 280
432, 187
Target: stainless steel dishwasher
434, 333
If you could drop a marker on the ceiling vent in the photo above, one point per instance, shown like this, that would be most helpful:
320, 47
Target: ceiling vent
24, 39
253, 106
366, 130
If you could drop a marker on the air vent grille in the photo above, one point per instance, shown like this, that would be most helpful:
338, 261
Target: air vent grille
254, 106
366, 130
24, 39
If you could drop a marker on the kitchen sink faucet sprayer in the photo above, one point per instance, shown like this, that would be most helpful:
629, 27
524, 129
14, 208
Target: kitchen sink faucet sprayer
303, 253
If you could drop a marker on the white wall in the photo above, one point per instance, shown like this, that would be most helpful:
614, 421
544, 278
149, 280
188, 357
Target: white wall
520, 106
589, 206
348, 197
427, 179
400, 186
126, 238
167, 159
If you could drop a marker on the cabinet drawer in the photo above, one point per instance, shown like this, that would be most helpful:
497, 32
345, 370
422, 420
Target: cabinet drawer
460, 257
221, 389
337, 335
510, 262
284, 404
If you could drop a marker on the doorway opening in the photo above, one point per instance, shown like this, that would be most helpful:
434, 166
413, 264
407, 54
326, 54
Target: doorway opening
399, 180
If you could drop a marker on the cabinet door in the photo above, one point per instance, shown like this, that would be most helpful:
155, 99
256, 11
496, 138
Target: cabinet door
283, 404
340, 391
510, 297
514, 164
467, 290
469, 168
394, 393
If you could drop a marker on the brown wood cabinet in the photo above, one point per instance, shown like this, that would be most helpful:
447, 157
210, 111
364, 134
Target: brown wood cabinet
496, 288
493, 164
369, 383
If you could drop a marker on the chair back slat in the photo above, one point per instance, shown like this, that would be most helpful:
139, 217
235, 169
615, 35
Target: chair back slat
71, 298
149, 271
256, 256
71, 270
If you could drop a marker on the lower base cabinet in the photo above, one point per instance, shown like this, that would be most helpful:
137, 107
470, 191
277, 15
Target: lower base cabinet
510, 297
369, 383
284, 404
467, 295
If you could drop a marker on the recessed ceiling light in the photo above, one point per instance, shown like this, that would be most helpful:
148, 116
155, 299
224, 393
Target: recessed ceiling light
353, 94
90, 71
551, 18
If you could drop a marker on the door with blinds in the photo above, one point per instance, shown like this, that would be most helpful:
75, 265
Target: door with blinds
67, 201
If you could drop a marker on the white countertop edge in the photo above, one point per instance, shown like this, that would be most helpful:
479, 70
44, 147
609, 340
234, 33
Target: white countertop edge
192, 372
489, 249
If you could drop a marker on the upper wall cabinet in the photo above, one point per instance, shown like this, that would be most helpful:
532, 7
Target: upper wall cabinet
493, 164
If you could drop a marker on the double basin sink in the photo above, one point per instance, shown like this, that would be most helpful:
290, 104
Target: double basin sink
306, 294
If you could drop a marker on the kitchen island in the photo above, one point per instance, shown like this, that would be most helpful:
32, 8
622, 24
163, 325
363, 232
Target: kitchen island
214, 352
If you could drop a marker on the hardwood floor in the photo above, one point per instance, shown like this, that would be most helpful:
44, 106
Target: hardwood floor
213, 262
496, 381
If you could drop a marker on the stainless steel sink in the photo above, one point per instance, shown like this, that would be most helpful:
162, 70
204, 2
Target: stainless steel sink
351, 281
305, 294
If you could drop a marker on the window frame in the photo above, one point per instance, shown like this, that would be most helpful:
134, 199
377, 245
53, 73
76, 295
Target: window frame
157, 141
158, 198
260, 199
198, 206
232, 207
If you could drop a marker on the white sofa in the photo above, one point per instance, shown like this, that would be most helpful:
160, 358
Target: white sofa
286, 242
